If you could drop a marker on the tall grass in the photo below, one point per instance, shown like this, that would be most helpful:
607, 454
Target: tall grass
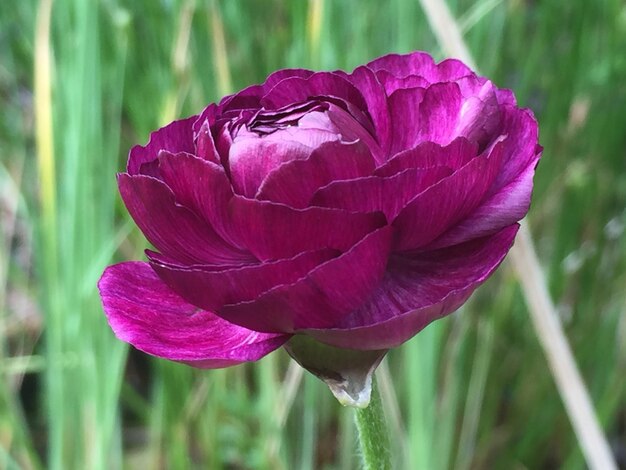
83, 82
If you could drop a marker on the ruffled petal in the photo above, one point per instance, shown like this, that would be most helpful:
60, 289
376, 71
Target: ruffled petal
171, 228
175, 137
320, 84
506, 97
502, 209
449, 70
350, 130
444, 111
375, 98
326, 294
480, 114
212, 287
203, 187
250, 97
416, 291
404, 109
428, 154
420, 64
375, 193
205, 145
439, 113
520, 148
146, 313
331, 161
275, 231
252, 159
448, 202
403, 65
392, 82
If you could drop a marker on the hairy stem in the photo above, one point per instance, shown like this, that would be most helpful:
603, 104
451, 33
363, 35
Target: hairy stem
372, 431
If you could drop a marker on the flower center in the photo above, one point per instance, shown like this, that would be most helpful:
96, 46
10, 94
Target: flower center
266, 122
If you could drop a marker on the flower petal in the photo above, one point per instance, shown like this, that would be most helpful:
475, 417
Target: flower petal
449, 70
324, 295
480, 114
502, 209
416, 291
429, 154
404, 109
374, 94
375, 193
351, 130
329, 162
320, 84
250, 97
415, 63
447, 202
439, 113
520, 148
212, 287
420, 64
175, 137
205, 144
392, 82
171, 228
203, 187
274, 231
252, 159
146, 313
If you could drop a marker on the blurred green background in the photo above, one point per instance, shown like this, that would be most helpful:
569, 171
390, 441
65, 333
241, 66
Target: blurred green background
472, 391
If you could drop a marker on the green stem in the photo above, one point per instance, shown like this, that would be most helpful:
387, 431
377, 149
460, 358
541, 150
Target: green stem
372, 431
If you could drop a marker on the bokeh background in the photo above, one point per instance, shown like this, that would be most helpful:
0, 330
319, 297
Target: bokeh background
83, 80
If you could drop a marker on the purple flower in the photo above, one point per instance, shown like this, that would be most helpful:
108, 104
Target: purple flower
337, 214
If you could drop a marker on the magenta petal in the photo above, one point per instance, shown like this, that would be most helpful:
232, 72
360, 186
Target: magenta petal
480, 114
439, 113
404, 108
374, 193
171, 228
520, 147
428, 154
250, 97
208, 115
211, 288
392, 83
420, 64
144, 312
175, 137
452, 70
329, 162
506, 97
320, 84
326, 294
274, 231
375, 98
350, 130
416, 291
447, 202
415, 63
203, 187
504, 208
205, 145
251, 160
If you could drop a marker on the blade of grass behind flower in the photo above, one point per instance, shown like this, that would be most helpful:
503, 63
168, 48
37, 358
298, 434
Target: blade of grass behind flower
220, 53
80, 349
475, 394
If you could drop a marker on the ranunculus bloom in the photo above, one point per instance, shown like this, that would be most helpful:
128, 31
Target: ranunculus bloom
341, 213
